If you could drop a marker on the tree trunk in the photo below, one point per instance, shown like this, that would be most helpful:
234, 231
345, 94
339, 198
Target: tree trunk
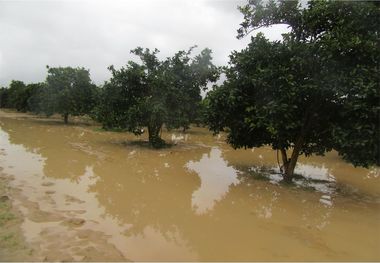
66, 118
289, 168
285, 160
154, 135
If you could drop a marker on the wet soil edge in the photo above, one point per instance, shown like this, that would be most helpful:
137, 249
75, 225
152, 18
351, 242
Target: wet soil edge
13, 246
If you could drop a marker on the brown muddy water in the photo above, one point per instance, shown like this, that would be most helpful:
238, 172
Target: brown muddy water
85, 194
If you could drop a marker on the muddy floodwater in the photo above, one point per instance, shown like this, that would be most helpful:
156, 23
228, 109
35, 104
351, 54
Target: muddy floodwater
86, 194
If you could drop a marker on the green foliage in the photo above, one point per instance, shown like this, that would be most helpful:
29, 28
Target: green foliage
5, 213
186, 78
200, 113
271, 95
16, 96
4, 95
35, 97
21, 97
155, 93
118, 94
15, 91
69, 91
314, 91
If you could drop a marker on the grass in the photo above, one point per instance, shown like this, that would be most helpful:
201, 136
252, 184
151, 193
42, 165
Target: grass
7, 237
5, 215
101, 129
8, 240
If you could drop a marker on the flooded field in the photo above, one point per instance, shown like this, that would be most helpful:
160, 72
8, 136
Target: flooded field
86, 194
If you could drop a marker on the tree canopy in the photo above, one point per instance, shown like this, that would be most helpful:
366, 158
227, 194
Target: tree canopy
16, 95
69, 91
316, 90
155, 92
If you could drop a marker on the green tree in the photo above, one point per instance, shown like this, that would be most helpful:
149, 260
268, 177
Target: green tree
315, 91
16, 95
20, 96
69, 91
3, 97
35, 98
188, 77
155, 93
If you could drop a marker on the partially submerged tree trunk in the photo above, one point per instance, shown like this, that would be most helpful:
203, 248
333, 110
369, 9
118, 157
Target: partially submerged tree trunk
154, 135
285, 160
290, 164
66, 118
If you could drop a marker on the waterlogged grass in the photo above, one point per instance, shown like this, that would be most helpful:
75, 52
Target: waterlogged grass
101, 129
12, 243
8, 240
5, 214
5, 207
7, 237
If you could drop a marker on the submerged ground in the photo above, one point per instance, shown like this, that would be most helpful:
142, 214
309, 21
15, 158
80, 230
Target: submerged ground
77, 193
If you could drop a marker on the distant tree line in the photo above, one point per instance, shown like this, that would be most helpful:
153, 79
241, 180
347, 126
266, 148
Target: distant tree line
150, 94
315, 91
66, 91
20, 96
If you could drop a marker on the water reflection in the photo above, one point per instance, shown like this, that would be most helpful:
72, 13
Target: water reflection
59, 146
195, 201
171, 246
315, 172
52, 208
216, 178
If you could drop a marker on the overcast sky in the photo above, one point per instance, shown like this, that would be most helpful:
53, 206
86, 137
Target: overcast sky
96, 34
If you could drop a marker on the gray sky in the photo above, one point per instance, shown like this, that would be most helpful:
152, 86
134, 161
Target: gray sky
96, 34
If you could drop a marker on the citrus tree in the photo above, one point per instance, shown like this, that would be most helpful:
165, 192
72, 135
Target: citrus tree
155, 92
69, 91
315, 91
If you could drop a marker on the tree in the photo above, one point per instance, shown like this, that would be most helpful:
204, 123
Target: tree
69, 91
35, 98
155, 93
3, 97
188, 77
315, 91
16, 95
21, 97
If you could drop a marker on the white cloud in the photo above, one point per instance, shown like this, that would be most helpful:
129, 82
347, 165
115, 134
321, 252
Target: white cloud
96, 34
1, 62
